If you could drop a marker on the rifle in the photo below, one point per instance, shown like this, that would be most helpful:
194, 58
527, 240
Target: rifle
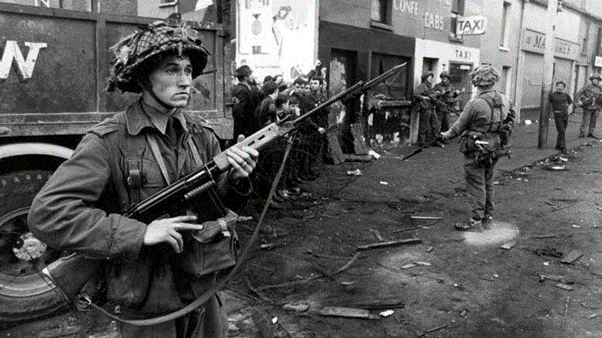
72, 272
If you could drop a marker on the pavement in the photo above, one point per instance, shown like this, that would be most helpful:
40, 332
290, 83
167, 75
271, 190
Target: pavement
439, 171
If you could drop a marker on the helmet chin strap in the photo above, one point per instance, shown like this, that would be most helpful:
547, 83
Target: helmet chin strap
145, 85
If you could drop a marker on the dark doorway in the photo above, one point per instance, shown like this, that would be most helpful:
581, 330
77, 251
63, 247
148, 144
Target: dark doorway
342, 74
459, 74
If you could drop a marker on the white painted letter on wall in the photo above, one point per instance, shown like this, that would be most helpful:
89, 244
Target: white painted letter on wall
26, 66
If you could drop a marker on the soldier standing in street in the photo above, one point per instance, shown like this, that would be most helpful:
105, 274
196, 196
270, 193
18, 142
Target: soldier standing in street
447, 95
429, 125
155, 268
590, 98
560, 102
485, 125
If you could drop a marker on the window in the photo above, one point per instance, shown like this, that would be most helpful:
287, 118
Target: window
457, 11
506, 79
504, 25
381, 11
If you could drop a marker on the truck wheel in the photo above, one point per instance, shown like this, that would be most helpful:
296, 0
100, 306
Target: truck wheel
25, 292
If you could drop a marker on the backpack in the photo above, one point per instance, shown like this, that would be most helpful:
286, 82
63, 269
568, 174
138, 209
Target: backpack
485, 147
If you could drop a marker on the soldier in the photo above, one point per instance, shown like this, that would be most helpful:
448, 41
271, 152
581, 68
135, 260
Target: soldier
590, 98
429, 126
447, 98
155, 268
485, 125
245, 96
560, 102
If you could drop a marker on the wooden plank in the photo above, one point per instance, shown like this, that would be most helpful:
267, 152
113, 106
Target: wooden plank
572, 256
344, 312
359, 140
390, 243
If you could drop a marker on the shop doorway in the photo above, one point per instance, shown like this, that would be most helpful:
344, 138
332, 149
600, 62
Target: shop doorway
342, 74
459, 74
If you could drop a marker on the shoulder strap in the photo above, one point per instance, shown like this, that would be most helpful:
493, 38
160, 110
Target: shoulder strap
158, 157
491, 107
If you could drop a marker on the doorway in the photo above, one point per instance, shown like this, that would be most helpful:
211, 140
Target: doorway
459, 74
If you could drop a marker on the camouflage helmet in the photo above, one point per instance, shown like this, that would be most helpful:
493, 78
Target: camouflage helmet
158, 38
444, 74
484, 76
425, 75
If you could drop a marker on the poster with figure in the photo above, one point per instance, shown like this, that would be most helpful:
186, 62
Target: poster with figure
276, 36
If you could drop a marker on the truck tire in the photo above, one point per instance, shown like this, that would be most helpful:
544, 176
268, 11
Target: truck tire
25, 292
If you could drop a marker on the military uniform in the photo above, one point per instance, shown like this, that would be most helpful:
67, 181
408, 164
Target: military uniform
81, 207
591, 98
245, 102
447, 94
478, 116
429, 125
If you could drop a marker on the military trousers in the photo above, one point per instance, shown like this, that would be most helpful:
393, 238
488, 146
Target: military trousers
429, 126
589, 121
479, 185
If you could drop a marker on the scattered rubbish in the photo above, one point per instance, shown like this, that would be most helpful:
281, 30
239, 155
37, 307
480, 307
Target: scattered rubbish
423, 263
464, 313
576, 226
374, 154
274, 320
572, 256
356, 172
433, 218
377, 234
245, 218
384, 183
430, 249
566, 311
496, 275
563, 159
593, 316
434, 329
347, 285
386, 313
348, 264
381, 305
297, 306
528, 122
390, 243
560, 279
347, 312
564, 286
556, 167
546, 263
408, 266
550, 252
268, 246
508, 245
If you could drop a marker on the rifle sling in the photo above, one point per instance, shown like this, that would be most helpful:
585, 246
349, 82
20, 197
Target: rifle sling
217, 286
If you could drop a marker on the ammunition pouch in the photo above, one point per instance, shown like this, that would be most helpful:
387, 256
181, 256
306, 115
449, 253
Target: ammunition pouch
484, 147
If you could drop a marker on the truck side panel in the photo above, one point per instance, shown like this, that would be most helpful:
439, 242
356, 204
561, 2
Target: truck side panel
55, 64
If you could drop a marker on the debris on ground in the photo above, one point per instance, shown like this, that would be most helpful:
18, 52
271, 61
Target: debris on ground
386, 313
384, 183
296, 306
390, 243
347, 312
561, 279
508, 246
356, 172
572, 256
550, 252
564, 286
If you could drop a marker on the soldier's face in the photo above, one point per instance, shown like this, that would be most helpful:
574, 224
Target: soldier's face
314, 85
595, 81
171, 80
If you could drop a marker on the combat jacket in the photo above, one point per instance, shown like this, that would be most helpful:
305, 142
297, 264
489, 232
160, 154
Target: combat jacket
421, 93
477, 115
591, 97
80, 208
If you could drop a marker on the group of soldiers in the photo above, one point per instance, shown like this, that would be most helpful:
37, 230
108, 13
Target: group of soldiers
256, 106
435, 105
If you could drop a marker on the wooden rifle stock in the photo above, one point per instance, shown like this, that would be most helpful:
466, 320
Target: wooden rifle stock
72, 272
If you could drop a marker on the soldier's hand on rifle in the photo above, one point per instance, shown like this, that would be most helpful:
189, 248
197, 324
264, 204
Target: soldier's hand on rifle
243, 160
167, 230
444, 136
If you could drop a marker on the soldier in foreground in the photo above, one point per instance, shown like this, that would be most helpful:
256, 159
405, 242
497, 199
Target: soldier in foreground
484, 126
155, 268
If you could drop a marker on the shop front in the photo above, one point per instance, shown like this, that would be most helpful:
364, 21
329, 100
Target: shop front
353, 54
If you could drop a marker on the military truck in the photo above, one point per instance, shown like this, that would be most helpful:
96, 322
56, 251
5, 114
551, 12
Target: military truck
54, 70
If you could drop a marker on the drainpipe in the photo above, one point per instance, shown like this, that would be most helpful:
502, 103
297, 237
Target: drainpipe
520, 64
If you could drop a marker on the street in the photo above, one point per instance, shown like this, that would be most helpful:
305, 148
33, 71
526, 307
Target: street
452, 284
